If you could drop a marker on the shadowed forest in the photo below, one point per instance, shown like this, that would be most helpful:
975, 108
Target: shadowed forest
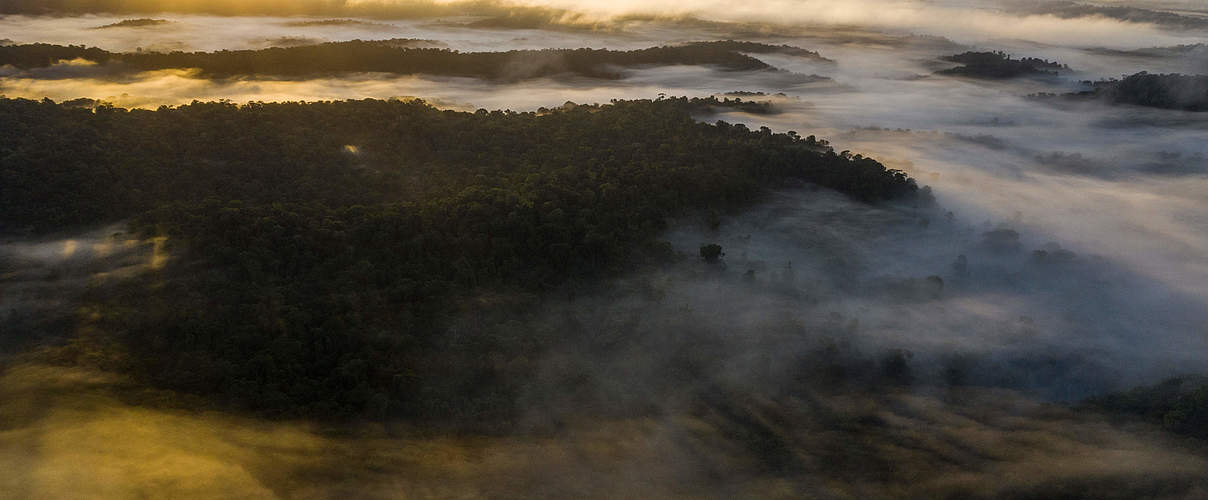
349, 229
511, 249
385, 57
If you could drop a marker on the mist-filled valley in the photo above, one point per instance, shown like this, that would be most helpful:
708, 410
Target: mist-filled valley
553, 249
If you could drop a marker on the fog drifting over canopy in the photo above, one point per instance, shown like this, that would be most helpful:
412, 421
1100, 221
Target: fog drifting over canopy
1125, 184
1105, 288
1122, 184
978, 20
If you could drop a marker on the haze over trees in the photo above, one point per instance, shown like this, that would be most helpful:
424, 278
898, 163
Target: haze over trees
389, 56
1000, 65
1178, 404
136, 23
388, 10
1169, 91
243, 273
1071, 10
1162, 91
323, 244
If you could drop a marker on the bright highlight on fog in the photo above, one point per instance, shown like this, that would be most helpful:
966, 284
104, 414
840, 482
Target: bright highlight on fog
1066, 257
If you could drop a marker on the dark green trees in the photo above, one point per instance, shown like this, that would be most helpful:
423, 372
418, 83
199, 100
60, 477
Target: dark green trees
711, 253
387, 56
307, 279
1000, 65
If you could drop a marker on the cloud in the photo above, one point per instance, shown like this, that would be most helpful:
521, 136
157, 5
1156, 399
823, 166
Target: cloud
991, 444
697, 381
976, 20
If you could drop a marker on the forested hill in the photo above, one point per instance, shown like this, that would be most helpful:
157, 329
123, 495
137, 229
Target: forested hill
317, 247
1163, 91
1000, 65
70, 165
760, 48
1166, 91
387, 57
1178, 404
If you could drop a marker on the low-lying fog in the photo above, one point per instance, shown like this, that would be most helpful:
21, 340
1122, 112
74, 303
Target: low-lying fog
1125, 189
1067, 255
965, 21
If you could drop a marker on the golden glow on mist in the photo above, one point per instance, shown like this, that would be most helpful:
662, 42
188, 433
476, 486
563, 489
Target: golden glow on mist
66, 434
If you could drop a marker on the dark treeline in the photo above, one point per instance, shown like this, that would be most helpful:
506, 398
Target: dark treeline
326, 8
320, 249
1179, 404
135, 23
1170, 91
1170, 51
1000, 65
1071, 10
41, 55
388, 57
355, 23
760, 48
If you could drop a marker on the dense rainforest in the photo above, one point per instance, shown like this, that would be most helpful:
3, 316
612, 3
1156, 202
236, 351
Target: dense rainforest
383, 10
1071, 10
1000, 65
759, 48
387, 56
135, 23
319, 250
1178, 404
1169, 91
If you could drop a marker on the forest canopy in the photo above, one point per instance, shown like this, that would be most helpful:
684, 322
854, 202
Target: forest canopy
390, 56
1178, 404
135, 23
1000, 65
1168, 91
319, 247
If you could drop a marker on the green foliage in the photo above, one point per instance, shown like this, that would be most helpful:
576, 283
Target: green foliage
388, 56
1178, 404
711, 252
1000, 65
64, 166
1171, 91
760, 48
41, 55
135, 23
309, 277
1163, 91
